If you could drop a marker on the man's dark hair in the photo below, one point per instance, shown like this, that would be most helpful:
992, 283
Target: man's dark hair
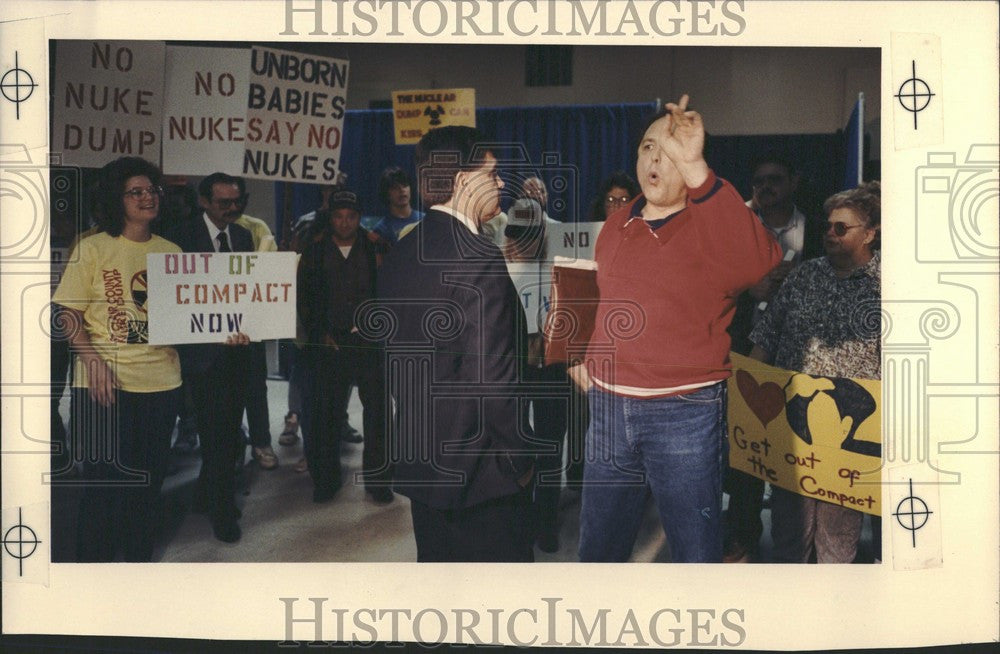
648, 122
441, 154
205, 185
391, 176
109, 192
774, 159
652, 118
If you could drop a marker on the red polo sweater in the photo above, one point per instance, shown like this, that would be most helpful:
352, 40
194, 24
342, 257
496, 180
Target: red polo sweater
668, 295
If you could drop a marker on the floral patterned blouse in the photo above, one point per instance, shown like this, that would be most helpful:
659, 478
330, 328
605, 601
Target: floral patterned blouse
823, 325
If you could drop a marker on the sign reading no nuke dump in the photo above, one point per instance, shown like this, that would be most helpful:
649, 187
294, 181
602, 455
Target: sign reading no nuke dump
204, 297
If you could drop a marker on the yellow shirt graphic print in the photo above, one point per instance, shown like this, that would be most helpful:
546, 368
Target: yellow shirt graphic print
106, 281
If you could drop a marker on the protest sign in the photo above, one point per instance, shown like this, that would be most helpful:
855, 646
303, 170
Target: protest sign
295, 116
819, 437
108, 101
572, 240
204, 297
205, 107
417, 112
530, 286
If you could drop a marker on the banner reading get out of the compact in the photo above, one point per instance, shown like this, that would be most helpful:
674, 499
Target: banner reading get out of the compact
816, 436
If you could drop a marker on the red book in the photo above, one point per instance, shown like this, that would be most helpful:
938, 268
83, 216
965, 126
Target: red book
573, 306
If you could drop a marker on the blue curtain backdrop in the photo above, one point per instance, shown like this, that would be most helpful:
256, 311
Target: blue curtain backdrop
572, 148
817, 157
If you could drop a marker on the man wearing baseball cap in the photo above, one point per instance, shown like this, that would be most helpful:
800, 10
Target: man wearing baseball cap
337, 273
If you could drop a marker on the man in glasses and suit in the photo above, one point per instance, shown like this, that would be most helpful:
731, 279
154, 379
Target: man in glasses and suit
217, 372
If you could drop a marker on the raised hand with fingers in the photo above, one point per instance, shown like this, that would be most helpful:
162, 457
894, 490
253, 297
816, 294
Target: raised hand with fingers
683, 136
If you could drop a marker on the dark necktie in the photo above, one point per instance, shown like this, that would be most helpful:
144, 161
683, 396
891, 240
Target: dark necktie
223, 242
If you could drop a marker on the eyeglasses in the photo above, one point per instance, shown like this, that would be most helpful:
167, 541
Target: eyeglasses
137, 193
840, 228
619, 200
228, 202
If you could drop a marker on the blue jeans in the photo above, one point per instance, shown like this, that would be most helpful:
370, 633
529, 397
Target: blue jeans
674, 447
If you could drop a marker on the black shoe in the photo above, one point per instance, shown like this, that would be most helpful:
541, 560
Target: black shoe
349, 434
200, 505
226, 529
548, 542
380, 494
735, 552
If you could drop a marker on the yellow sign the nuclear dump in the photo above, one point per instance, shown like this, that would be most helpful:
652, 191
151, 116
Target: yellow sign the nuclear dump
417, 112
816, 436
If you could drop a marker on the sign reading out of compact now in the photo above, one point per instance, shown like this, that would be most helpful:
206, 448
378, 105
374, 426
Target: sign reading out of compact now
204, 297
417, 112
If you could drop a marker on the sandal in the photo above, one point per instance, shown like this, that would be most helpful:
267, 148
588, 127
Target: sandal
301, 465
290, 436
265, 457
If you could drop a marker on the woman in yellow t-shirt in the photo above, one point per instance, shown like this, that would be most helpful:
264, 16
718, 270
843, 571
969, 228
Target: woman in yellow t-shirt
126, 392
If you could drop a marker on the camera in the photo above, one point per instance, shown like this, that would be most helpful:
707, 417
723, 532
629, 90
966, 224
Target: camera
40, 216
957, 206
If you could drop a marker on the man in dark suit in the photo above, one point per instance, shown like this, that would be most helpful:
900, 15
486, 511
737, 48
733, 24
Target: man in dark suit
217, 373
454, 330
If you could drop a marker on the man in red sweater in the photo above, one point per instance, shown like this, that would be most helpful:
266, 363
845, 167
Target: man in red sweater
670, 265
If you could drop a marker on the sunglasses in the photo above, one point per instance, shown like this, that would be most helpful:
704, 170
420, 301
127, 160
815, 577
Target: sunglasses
840, 228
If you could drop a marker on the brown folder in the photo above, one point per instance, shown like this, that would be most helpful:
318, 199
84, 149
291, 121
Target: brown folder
573, 306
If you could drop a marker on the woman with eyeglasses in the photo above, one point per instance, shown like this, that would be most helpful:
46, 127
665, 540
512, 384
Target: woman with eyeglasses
126, 392
616, 191
825, 321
